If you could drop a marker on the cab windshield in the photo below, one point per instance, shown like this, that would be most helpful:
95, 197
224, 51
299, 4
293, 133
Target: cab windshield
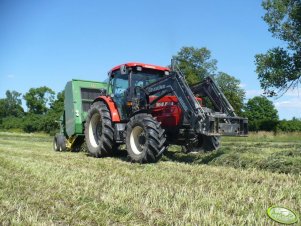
119, 83
146, 77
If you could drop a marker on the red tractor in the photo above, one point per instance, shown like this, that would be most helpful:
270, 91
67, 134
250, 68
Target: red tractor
149, 107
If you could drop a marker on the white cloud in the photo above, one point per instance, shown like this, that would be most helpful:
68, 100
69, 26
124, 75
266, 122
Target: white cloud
253, 92
257, 92
242, 85
291, 103
289, 107
293, 93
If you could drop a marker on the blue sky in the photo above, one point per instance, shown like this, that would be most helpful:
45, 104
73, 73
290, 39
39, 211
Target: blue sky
51, 42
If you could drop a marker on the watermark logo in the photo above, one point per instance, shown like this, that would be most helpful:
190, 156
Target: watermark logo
282, 215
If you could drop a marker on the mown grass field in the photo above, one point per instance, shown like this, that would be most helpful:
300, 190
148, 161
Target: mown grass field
232, 186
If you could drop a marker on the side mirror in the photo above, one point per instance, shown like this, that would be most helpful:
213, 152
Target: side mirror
123, 69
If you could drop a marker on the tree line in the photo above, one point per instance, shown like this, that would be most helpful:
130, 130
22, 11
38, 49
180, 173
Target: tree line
45, 107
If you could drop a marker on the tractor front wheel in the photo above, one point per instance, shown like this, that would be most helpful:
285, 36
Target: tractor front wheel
145, 139
99, 132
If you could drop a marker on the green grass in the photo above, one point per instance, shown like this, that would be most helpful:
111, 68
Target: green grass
276, 153
294, 137
233, 186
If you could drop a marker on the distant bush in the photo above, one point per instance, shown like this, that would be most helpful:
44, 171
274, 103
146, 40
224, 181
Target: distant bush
11, 122
263, 125
32, 123
49, 124
293, 125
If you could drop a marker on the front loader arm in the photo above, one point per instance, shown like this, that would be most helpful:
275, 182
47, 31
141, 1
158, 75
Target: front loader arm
224, 122
176, 85
209, 88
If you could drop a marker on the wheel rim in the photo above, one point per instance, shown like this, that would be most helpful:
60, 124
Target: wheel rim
137, 140
95, 130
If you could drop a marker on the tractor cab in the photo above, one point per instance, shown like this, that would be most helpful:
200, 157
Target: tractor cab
127, 79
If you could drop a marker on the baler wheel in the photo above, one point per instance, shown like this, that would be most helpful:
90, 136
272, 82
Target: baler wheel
145, 139
99, 132
59, 143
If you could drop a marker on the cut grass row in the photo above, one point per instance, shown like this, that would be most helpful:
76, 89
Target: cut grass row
42, 187
275, 157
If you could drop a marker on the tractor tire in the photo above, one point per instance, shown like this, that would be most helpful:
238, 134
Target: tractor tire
204, 144
59, 143
99, 132
145, 139
211, 143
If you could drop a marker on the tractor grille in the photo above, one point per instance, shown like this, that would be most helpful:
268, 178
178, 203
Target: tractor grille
88, 95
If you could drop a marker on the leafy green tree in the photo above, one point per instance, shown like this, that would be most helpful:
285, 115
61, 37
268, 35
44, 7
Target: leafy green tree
46, 122
290, 125
261, 113
44, 110
58, 104
230, 86
280, 68
33, 123
39, 99
11, 105
195, 63
49, 123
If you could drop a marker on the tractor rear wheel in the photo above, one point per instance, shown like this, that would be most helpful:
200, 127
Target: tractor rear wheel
99, 132
59, 143
211, 143
204, 143
145, 139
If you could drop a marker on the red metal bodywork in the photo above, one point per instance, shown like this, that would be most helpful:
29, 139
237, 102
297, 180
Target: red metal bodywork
148, 66
167, 110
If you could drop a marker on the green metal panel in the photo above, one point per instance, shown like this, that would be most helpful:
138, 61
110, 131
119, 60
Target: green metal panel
78, 97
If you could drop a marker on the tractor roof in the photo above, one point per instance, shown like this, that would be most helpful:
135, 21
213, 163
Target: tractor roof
149, 66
